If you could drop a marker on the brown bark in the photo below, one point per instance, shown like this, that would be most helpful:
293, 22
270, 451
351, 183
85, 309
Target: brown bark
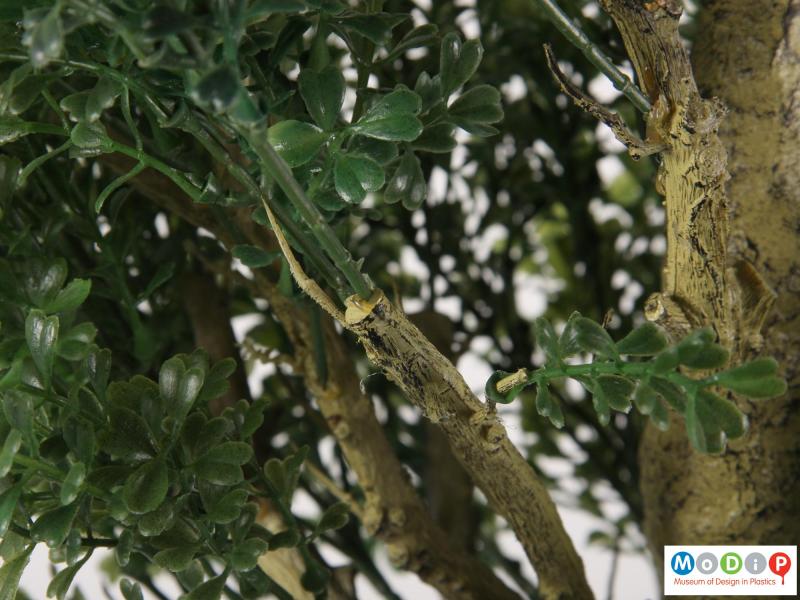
477, 438
207, 307
732, 227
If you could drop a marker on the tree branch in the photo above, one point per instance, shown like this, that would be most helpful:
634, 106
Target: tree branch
478, 439
393, 511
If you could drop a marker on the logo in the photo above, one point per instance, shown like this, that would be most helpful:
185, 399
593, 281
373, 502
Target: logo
730, 570
682, 563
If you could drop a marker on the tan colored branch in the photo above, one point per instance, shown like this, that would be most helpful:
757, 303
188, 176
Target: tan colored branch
692, 175
637, 147
478, 439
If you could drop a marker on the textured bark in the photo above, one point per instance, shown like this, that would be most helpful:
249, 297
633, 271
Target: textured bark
746, 210
477, 438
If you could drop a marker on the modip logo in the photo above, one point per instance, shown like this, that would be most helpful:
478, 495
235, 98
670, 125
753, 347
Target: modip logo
730, 570
683, 563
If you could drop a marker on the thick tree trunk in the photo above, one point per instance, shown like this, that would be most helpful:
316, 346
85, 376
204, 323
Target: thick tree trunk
747, 53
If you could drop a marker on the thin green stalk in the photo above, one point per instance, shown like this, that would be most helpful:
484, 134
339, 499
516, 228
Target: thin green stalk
57, 475
277, 168
637, 369
597, 57
188, 188
317, 257
40, 160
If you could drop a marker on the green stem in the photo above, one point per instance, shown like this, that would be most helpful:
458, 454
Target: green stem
40, 160
597, 57
57, 474
317, 257
277, 168
177, 178
635, 370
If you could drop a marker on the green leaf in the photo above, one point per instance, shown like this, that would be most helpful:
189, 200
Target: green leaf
375, 27
356, 175
218, 89
75, 105
253, 418
660, 416
547, 339
334, 517
289, 538
10, 448
253, 256
724, 413
380, 151
599, 399
188, 390
617, 390
315, 580
392, 117
323, 94
284, 474
702, 432
146, 487
122, 552
91, 137
53, 526
665, 361
44, 279
480, 105
41, 333
458, 62
98, 367
175, 559
72, 483
408, 184
438, 138
131, 591
424, 35
60, 584
11, 572
12, 129
646, 340
169, 379
18, 410
77, 342
245, 554
755, 379
71, 297
567, 341
8, 504
547, 407
590, 336
429, 89
102, 97
221, 464
674, 395
263, 8
44, 36
210, 590
295, 141
127, 436
645, 398
228, 507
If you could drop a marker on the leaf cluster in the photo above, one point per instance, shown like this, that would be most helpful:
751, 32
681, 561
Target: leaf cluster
643, 370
